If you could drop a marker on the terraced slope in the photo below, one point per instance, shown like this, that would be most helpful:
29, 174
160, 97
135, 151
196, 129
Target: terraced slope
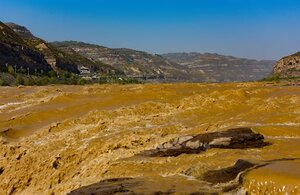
133, 63
222, 68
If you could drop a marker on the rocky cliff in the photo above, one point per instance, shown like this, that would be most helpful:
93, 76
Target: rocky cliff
16, 52
59, 60
288, 66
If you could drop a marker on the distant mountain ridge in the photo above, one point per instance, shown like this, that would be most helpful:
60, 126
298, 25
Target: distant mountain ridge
221, 68
133, 63
19, 47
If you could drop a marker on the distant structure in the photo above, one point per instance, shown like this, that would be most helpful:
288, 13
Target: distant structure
84, 70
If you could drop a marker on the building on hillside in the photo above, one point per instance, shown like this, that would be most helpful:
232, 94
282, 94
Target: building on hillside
84, 70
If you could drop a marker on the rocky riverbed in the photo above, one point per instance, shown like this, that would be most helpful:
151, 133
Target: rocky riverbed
150, 139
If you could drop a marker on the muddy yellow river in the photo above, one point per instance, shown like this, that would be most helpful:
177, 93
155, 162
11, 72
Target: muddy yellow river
57, 139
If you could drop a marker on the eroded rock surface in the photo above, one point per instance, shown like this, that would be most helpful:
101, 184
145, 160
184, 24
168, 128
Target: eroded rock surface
288, 66
239, 138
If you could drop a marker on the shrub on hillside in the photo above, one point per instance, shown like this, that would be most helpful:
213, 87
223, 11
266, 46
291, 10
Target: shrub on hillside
82, 81
273, 78
20, 80
3, 82
10, 69
29, 81
41, 81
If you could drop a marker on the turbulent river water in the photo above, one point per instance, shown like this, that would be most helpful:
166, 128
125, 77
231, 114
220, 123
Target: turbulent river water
57, 139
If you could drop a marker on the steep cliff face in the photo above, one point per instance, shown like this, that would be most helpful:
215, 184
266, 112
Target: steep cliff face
69, 61
54, 57
288, 66
223, 68
131, 62
16, 52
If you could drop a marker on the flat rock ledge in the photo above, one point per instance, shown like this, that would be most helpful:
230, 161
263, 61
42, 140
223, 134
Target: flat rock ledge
239, 138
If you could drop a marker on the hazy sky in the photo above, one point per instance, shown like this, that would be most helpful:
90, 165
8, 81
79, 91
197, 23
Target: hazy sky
262, 29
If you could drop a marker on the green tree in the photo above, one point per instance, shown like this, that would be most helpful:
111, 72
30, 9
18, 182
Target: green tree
52, 73
67, 75
29, 82
20, 80
11, 69
41, 81
81, 81
2, 82
22, 70
53, 80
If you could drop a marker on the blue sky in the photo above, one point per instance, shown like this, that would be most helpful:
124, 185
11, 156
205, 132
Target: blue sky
261, 29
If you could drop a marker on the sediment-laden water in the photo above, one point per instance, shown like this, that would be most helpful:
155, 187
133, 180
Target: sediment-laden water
59, 139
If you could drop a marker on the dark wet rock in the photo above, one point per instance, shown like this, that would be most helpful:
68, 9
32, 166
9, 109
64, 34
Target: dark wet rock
226, 180
132, 186
124, 186
230, 179
227, 174
109, 186
239, 138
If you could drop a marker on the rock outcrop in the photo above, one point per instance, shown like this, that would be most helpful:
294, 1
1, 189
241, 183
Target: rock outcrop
288, 66
239, 138
22, 31
227, 174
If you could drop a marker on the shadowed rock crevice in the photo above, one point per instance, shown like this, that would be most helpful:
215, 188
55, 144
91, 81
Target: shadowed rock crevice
1, 170
239, 138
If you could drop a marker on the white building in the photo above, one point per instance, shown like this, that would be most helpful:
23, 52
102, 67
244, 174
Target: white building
84, 70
